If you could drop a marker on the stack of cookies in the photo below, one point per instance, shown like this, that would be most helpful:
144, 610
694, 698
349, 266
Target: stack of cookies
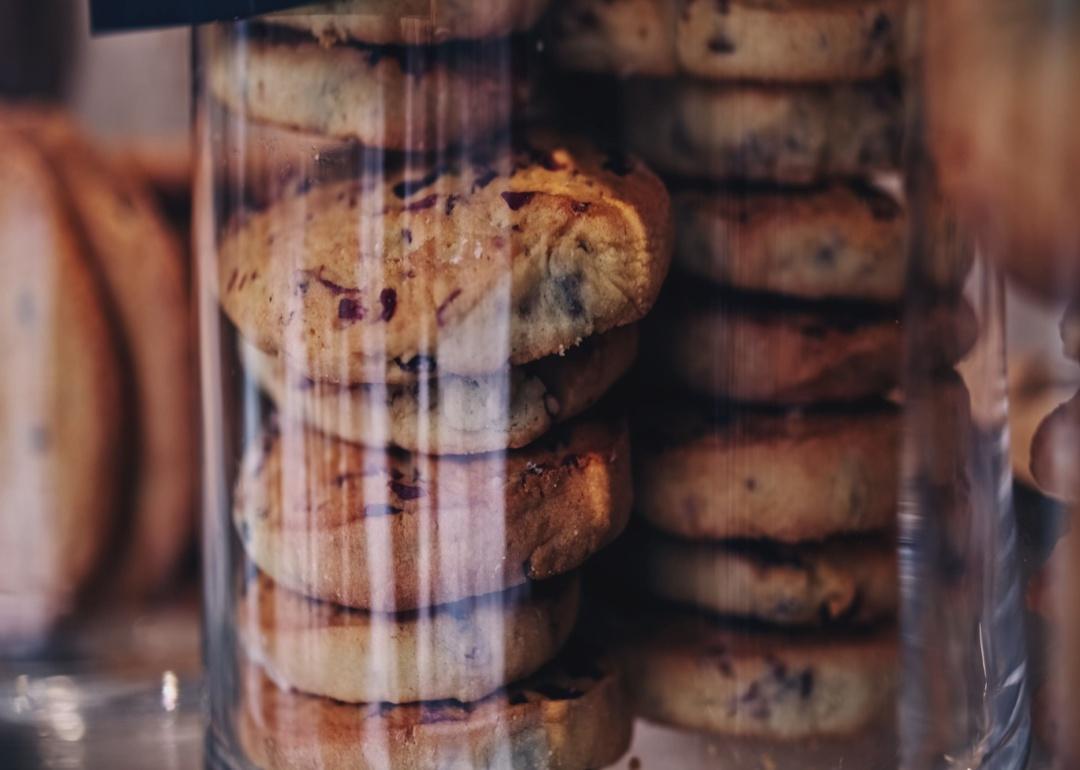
432, 336
96, 439
767, 461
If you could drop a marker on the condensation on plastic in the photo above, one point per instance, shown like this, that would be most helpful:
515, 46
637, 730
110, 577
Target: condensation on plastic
448, 522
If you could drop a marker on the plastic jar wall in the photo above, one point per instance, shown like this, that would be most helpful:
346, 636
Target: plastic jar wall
554, 383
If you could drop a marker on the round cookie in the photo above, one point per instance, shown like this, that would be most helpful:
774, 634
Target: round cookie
138, 257
61, 406
698, 674
415, 99
412, 22
745, 349
839, 241
461, 652
1001, 116
455, 415
450, 268
390, 532
572, 715
850, 580
789, 41
1054, 451
787, 477
765, 133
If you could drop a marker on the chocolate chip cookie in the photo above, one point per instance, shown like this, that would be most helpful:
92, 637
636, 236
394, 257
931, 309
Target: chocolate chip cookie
764, 133
790, 40
388, 531
751, 350
401, 98
455, 415
850, 580
571, 715
838, 241
412, 22
709, 475
699, 674
463, 651
61, 407
458, 268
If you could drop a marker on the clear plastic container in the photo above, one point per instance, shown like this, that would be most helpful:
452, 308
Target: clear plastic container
572, 378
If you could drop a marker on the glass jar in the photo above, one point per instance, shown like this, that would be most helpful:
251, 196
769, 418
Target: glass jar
564, 373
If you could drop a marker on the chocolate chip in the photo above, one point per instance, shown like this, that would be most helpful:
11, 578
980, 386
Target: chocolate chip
579, 207
406, 491
406, 235
350, 310
388, 300
720, 44
334, 288
516, 200
423, 203
441, 310
451, 201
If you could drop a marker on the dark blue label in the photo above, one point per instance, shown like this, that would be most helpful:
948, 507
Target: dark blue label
113, 15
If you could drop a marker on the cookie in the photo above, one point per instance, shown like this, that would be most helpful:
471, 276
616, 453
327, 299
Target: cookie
849, 580
137, 256
455, 415
461, 652
838, 241
571, 715
403, 99
698, 674
1054, 451
786, 477
790, 41
748, 349
413, 22
764, 133
1001, 116
61, 407
390, 532
450, 269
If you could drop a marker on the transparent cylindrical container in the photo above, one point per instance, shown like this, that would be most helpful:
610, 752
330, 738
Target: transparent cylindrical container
572, 377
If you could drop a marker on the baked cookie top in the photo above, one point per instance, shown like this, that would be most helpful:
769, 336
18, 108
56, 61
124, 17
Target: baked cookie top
458, 268
410, 22
780, 40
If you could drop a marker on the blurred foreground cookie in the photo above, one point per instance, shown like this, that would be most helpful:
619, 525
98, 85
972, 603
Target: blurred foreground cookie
463, 651
745, 350
415, 99
849, 580
137, 257
572, 715
838, 241
792, 41
451, 414
763, 132
61, 406
411, 22
786, 477
389, 531
1054, 451
698, 674
450, 269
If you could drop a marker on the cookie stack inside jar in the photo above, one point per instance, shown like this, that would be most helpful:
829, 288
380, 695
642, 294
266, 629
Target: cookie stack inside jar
432, 302
767, 451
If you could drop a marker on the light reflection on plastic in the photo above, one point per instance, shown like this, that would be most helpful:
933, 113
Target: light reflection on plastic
62, 709
170, 691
